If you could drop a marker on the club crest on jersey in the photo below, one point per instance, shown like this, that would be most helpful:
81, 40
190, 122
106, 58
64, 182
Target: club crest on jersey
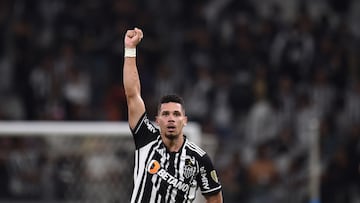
189, 171
189, 168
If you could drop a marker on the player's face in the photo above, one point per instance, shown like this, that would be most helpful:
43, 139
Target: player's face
171, 119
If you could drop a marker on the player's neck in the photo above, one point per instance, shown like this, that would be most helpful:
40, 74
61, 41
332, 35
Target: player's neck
174, 145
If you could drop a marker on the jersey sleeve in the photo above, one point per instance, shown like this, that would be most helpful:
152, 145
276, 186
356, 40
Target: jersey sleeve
207, 177
144, 132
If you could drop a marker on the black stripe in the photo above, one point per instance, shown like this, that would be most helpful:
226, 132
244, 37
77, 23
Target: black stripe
158, 182
137, 154
158, 195
147, 192
180, 194
170, 168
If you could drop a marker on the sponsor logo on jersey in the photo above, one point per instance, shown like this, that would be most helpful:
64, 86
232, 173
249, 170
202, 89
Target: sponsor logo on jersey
204, 179
150, 127
171, 180
153, 167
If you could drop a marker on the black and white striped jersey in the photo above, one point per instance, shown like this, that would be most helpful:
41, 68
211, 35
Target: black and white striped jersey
163, 176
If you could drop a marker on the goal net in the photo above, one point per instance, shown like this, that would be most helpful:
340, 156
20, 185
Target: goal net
69, 161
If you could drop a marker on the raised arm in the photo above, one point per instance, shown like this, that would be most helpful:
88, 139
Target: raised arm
136, 106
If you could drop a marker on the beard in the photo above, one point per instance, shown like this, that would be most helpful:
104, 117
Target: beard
171, 135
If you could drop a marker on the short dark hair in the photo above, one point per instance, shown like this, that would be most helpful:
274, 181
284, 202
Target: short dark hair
172, 98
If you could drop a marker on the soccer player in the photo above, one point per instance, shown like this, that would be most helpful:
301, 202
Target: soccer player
168, 166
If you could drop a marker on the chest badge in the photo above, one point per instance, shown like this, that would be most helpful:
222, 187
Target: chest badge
189, 168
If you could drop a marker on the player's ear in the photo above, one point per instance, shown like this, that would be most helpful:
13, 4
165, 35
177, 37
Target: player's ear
185, 120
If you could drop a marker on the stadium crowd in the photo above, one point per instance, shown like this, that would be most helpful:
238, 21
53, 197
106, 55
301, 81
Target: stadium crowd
255, 74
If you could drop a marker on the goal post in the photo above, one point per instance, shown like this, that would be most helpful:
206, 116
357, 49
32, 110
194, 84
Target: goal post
81, 128
82, 161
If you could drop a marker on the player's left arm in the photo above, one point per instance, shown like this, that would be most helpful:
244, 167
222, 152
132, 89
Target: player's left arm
215, 198
208, 181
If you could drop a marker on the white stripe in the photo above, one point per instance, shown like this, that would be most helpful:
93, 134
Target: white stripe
169, 194
139, 125
211, 190
176, 160
154, 192
136, 167
176, 163
141, 177
143, 169
167, 167
182, 162
196, 148
173, 195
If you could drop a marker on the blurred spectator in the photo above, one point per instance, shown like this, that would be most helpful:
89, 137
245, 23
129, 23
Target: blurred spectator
100, 167
4, 170
305, 115
77, 94
352, 103
166, 82
41, 81
66, 177
198, 92
296, 180
235, 180
335, 181
322, 93
292, 51
352, 147
260, 113
329, 139
113, 103
263, 176
25, 163
285, 96
6, 75
221, 116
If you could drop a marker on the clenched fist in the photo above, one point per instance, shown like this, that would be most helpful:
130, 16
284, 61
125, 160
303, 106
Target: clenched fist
133, 37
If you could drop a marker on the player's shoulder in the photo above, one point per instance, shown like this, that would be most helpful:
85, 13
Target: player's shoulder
194, 148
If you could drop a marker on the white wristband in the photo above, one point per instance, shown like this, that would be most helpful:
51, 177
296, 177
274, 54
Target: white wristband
130, 52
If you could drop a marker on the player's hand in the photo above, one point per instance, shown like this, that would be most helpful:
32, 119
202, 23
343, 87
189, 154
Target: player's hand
133, 37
